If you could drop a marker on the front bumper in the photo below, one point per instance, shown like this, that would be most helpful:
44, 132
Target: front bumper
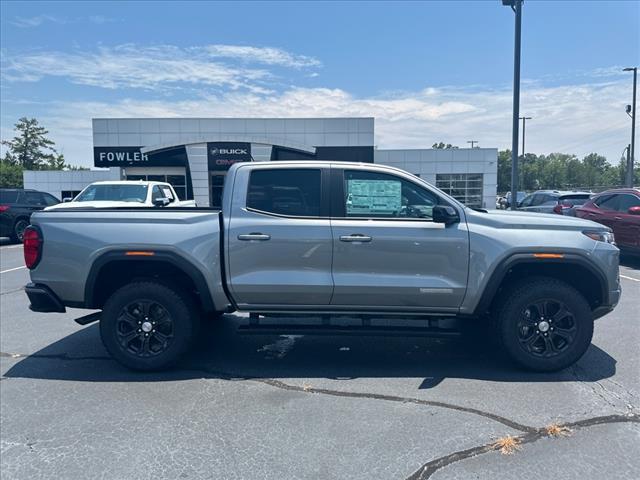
42, 299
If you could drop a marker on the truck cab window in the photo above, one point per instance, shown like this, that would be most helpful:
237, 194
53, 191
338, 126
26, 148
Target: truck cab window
292, 192
379, 195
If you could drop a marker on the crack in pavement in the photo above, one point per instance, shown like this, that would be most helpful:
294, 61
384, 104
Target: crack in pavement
529, 434
59, 356
12, 291
335, 393
393, 398
429, 468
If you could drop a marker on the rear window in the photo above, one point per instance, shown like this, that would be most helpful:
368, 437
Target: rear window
292, 192
114, 192
8, 196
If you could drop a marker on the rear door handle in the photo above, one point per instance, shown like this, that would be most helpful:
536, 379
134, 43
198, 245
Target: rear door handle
260, 237
356, 237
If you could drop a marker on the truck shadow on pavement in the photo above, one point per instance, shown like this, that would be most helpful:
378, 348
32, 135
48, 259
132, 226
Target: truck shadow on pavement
630, 261
223, 353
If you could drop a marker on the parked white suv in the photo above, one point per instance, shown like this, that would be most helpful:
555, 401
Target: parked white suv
112, 194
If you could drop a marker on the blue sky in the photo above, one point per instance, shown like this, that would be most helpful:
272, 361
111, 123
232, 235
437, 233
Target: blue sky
427, 71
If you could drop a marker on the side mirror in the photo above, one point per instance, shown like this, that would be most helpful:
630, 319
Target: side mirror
161, 202
634, 211
66, 199
445, 214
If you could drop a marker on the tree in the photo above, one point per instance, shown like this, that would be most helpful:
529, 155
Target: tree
30, 148
10, 175
561, 171
442, 146
56, 162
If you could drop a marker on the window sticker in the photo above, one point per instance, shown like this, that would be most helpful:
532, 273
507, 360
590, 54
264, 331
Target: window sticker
377, 197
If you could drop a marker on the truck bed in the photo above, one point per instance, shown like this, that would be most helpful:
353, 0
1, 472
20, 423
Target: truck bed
75, 239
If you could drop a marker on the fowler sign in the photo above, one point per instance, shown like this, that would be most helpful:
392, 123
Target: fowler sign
221, 155
132, 156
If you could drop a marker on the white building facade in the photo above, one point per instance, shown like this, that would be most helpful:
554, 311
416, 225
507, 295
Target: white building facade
194, 154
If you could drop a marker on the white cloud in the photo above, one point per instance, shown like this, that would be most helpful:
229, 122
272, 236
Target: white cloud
266, 55
159, 67
37, 20
573, 118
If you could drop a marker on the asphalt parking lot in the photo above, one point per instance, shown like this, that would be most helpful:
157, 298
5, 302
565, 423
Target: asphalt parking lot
275, 407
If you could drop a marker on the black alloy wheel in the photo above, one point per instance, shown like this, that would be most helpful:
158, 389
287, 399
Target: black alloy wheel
149, 325
543, 324
144, 328
546, 328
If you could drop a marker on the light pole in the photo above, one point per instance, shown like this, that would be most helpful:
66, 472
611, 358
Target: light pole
516, 6
524, 124
472, 142
633, 126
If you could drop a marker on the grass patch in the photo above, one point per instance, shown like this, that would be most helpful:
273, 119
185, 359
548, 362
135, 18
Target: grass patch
555, 430
507, 445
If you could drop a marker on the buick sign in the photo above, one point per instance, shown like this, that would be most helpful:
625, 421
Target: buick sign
221, 155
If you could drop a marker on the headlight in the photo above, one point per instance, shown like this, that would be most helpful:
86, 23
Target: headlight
601, 236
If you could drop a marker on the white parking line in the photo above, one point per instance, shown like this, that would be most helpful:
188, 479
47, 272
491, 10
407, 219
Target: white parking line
630, 278
12, 269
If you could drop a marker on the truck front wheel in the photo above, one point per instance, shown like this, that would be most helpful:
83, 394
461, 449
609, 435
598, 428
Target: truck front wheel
148, 325
544, 324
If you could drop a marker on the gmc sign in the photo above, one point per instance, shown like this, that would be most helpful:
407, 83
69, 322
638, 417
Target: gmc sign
221, 155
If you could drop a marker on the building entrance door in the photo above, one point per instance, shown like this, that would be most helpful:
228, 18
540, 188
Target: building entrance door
216, 185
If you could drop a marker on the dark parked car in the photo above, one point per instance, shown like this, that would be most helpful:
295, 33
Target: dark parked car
16, 207
553, 201
620, 210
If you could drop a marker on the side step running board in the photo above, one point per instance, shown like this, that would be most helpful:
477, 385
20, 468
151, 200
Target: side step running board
284, 329
87, 319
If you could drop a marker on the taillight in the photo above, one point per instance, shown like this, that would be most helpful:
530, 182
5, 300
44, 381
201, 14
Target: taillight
559, 208
32, 241
4, 208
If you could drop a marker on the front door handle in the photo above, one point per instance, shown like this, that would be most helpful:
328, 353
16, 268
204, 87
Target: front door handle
356, 237
260, 237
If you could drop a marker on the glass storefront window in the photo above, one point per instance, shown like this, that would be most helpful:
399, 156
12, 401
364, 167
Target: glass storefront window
464, 187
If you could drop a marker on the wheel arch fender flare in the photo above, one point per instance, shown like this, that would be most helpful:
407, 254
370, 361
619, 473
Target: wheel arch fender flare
523, 258
159, 256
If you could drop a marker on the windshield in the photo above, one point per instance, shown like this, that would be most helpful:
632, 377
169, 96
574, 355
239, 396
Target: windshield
113, 193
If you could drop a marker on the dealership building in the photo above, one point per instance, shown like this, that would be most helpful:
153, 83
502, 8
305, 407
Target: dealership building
194, 155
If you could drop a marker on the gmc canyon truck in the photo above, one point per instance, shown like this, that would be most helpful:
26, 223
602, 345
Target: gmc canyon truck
325, 239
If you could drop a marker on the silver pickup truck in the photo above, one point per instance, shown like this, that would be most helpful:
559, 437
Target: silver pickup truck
325, 239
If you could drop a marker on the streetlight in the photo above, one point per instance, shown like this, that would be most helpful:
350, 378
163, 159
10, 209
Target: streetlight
516, 6
524, 123
472, 142
633, 126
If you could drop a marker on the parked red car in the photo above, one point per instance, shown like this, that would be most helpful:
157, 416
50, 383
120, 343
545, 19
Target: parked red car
618, 209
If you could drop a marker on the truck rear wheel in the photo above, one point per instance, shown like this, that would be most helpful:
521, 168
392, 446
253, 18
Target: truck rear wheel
544, 324
148, 325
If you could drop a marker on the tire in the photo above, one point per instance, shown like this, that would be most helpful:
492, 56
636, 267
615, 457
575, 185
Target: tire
544, 324
132, 338
18, 230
